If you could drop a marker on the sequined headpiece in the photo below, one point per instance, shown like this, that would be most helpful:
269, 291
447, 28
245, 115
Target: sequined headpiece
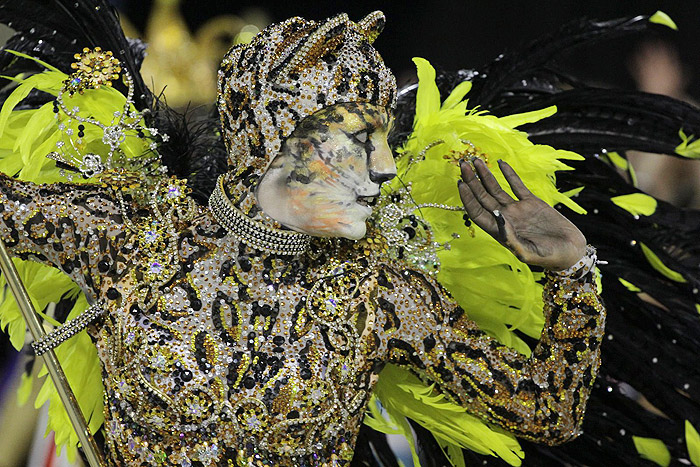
289, 71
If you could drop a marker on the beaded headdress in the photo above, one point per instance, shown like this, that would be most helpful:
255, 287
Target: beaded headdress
291, 70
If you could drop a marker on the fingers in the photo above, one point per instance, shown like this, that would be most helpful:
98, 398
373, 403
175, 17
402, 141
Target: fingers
491, 184
501, 224
475, 210
483, 198
507, 236
477, 188
519, 188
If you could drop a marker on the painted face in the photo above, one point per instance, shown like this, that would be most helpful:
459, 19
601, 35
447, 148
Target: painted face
329, 170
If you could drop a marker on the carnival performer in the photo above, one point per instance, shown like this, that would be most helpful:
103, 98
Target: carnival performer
252, 332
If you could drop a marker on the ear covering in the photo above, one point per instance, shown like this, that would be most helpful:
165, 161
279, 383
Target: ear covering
372, 25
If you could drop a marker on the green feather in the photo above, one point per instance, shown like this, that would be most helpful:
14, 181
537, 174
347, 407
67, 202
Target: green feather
652, 449
636, 204
657, 264
689, 146
662, 18
692, 440
34, 59
403, 395
427, 97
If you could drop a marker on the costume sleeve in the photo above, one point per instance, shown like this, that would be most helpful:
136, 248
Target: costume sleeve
541, 398
75, 228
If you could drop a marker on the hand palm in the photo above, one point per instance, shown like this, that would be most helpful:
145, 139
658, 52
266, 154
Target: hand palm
535, 232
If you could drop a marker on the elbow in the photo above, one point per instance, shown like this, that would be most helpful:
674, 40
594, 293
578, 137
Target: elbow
559, 436
560, 429
552, 425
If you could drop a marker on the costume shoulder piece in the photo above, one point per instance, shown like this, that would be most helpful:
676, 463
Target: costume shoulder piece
78, 117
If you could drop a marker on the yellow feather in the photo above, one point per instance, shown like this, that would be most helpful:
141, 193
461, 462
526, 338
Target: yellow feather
498, 291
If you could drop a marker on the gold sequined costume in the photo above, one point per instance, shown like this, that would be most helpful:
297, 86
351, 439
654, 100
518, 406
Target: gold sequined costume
218, 352
247, 356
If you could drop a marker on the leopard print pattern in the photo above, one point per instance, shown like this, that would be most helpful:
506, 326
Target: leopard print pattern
244, 358
289, 71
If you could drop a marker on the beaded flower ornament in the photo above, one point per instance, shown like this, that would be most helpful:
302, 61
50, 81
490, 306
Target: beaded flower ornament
84, 137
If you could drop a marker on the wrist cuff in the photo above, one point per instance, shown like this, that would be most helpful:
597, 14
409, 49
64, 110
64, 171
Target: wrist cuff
580, 267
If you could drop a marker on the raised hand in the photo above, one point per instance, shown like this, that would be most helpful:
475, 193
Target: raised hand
534, 231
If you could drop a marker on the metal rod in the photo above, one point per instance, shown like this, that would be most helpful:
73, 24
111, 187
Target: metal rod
53, 366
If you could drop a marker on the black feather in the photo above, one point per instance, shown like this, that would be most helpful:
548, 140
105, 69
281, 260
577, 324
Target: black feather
194, 150
533, 63
373, 450
649, 382
55, 30
589, 120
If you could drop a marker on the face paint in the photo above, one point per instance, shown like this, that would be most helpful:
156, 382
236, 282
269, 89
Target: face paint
327, 171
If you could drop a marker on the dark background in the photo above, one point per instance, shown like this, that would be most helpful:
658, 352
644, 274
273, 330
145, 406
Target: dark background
467, 34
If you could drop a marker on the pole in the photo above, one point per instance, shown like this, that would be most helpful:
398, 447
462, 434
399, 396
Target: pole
52, 365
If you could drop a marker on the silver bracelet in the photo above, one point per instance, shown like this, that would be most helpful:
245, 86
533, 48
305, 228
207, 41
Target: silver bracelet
581, 267
68, 329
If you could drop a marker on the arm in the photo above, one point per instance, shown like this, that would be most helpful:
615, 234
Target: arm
542, 398
75, 228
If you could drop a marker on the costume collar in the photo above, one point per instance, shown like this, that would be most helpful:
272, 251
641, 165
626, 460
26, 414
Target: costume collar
258, 232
